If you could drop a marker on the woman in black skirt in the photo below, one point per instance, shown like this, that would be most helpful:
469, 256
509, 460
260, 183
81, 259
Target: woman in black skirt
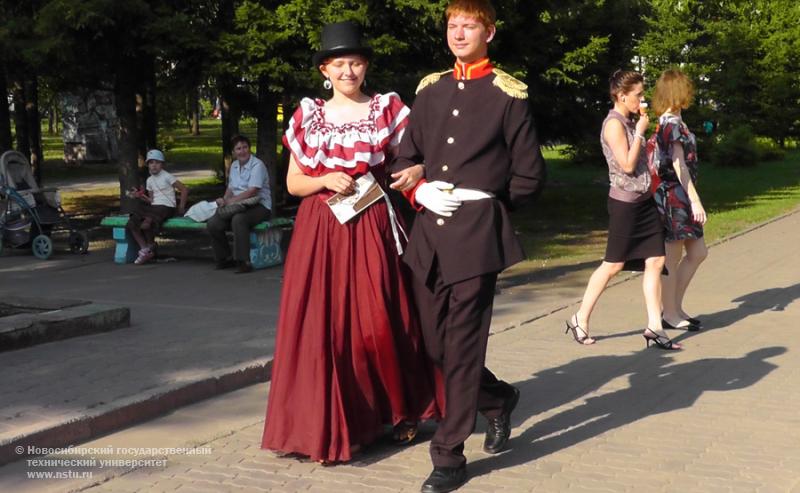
635, 233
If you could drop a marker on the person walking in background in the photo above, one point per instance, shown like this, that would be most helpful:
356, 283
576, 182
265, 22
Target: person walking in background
472, 129
349, 357
248, 186
154, 205
677, 198
635, 235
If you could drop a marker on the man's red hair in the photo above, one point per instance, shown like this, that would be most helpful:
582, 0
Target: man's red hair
481, 10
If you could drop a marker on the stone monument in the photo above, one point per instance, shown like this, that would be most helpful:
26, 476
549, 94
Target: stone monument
90, 125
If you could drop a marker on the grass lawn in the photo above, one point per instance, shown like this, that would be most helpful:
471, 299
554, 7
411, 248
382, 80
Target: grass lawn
183, 151
566, 226
568, 223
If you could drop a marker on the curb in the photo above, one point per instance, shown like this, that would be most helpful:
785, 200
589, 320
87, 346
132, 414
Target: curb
135, 410
29, 329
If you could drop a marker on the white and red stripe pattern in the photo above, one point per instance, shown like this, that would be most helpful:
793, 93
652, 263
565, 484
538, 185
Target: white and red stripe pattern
319, 146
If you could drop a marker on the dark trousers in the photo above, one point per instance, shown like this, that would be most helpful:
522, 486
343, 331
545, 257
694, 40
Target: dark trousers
240, 224
455, 324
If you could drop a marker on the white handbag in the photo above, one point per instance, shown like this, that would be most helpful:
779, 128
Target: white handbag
201, 211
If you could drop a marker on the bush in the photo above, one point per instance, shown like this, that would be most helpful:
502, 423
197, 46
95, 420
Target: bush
736, 148
587, 152
768, 150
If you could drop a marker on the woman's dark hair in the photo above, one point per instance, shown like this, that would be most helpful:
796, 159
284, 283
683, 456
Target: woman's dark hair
239, 138
622, 81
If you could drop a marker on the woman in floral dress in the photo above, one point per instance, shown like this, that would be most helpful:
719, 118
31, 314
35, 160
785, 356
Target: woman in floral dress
677, 198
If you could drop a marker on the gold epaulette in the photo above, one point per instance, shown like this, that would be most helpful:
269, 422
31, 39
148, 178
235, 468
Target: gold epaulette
431, 79
510, 85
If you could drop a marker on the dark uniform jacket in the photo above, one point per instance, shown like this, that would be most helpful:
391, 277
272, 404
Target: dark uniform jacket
476, 134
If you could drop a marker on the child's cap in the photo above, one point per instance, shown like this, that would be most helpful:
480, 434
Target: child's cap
155, 154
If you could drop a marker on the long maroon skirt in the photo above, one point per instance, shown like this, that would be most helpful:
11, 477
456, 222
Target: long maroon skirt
349, 356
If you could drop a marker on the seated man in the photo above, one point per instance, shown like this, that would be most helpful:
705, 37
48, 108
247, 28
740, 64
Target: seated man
248, 178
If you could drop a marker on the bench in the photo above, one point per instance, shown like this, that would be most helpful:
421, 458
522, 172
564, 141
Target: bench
266, 238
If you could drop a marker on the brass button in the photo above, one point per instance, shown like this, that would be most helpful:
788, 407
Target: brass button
455, 112
461, 85
445, 168
440, 222
450, 140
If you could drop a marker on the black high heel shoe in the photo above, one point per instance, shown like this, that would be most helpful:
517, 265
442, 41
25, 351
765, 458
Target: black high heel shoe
660, 340
694, 321
691, 327
584, 339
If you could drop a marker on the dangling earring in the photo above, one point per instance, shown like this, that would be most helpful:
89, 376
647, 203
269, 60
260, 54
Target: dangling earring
364, 85
623, 99
327, 84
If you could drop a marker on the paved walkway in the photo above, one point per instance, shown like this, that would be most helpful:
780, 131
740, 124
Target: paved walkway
720, 415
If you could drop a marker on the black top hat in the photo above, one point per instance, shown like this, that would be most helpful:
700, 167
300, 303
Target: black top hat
341, 38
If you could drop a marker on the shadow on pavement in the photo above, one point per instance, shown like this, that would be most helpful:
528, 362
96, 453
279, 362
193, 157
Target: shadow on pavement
543, 274
656, 386
772, 299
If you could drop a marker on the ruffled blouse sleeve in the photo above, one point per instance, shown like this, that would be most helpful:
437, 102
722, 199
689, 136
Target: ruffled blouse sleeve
294, 139
392, 119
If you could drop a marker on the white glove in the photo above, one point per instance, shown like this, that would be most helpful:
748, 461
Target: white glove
433, 196
466, 194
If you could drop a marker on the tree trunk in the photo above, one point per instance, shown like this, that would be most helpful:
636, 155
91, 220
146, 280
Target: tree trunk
150, 114
20, 120
5, 114
231, 113
51, 118
146, 110
288, 106
267, 136
34, 126
125, 95
194, 111
226, 88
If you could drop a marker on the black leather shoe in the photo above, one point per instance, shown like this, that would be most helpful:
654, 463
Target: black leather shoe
498, 430
244, 268
444, 479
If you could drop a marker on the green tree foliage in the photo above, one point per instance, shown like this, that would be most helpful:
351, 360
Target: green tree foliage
565, 51
743, 55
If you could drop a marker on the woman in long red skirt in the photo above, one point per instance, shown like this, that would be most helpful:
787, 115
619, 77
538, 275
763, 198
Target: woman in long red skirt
349, 356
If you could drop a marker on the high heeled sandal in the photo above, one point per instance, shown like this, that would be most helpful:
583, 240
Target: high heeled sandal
694, 321
690, 326
584, 339
404, 432
659, 340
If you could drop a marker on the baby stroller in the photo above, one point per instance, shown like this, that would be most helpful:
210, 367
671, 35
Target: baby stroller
28, 214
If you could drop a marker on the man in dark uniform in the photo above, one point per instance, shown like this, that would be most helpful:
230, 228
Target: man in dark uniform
472, 131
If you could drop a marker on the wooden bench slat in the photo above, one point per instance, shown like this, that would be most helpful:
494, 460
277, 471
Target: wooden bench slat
186, 223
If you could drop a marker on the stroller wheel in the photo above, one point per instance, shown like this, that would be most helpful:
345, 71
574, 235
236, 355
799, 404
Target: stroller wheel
42, 247
78, 242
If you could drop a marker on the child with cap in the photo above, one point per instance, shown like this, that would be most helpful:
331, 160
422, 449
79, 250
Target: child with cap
155, 204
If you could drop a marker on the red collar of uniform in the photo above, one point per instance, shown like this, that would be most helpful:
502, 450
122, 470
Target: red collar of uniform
474, 70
